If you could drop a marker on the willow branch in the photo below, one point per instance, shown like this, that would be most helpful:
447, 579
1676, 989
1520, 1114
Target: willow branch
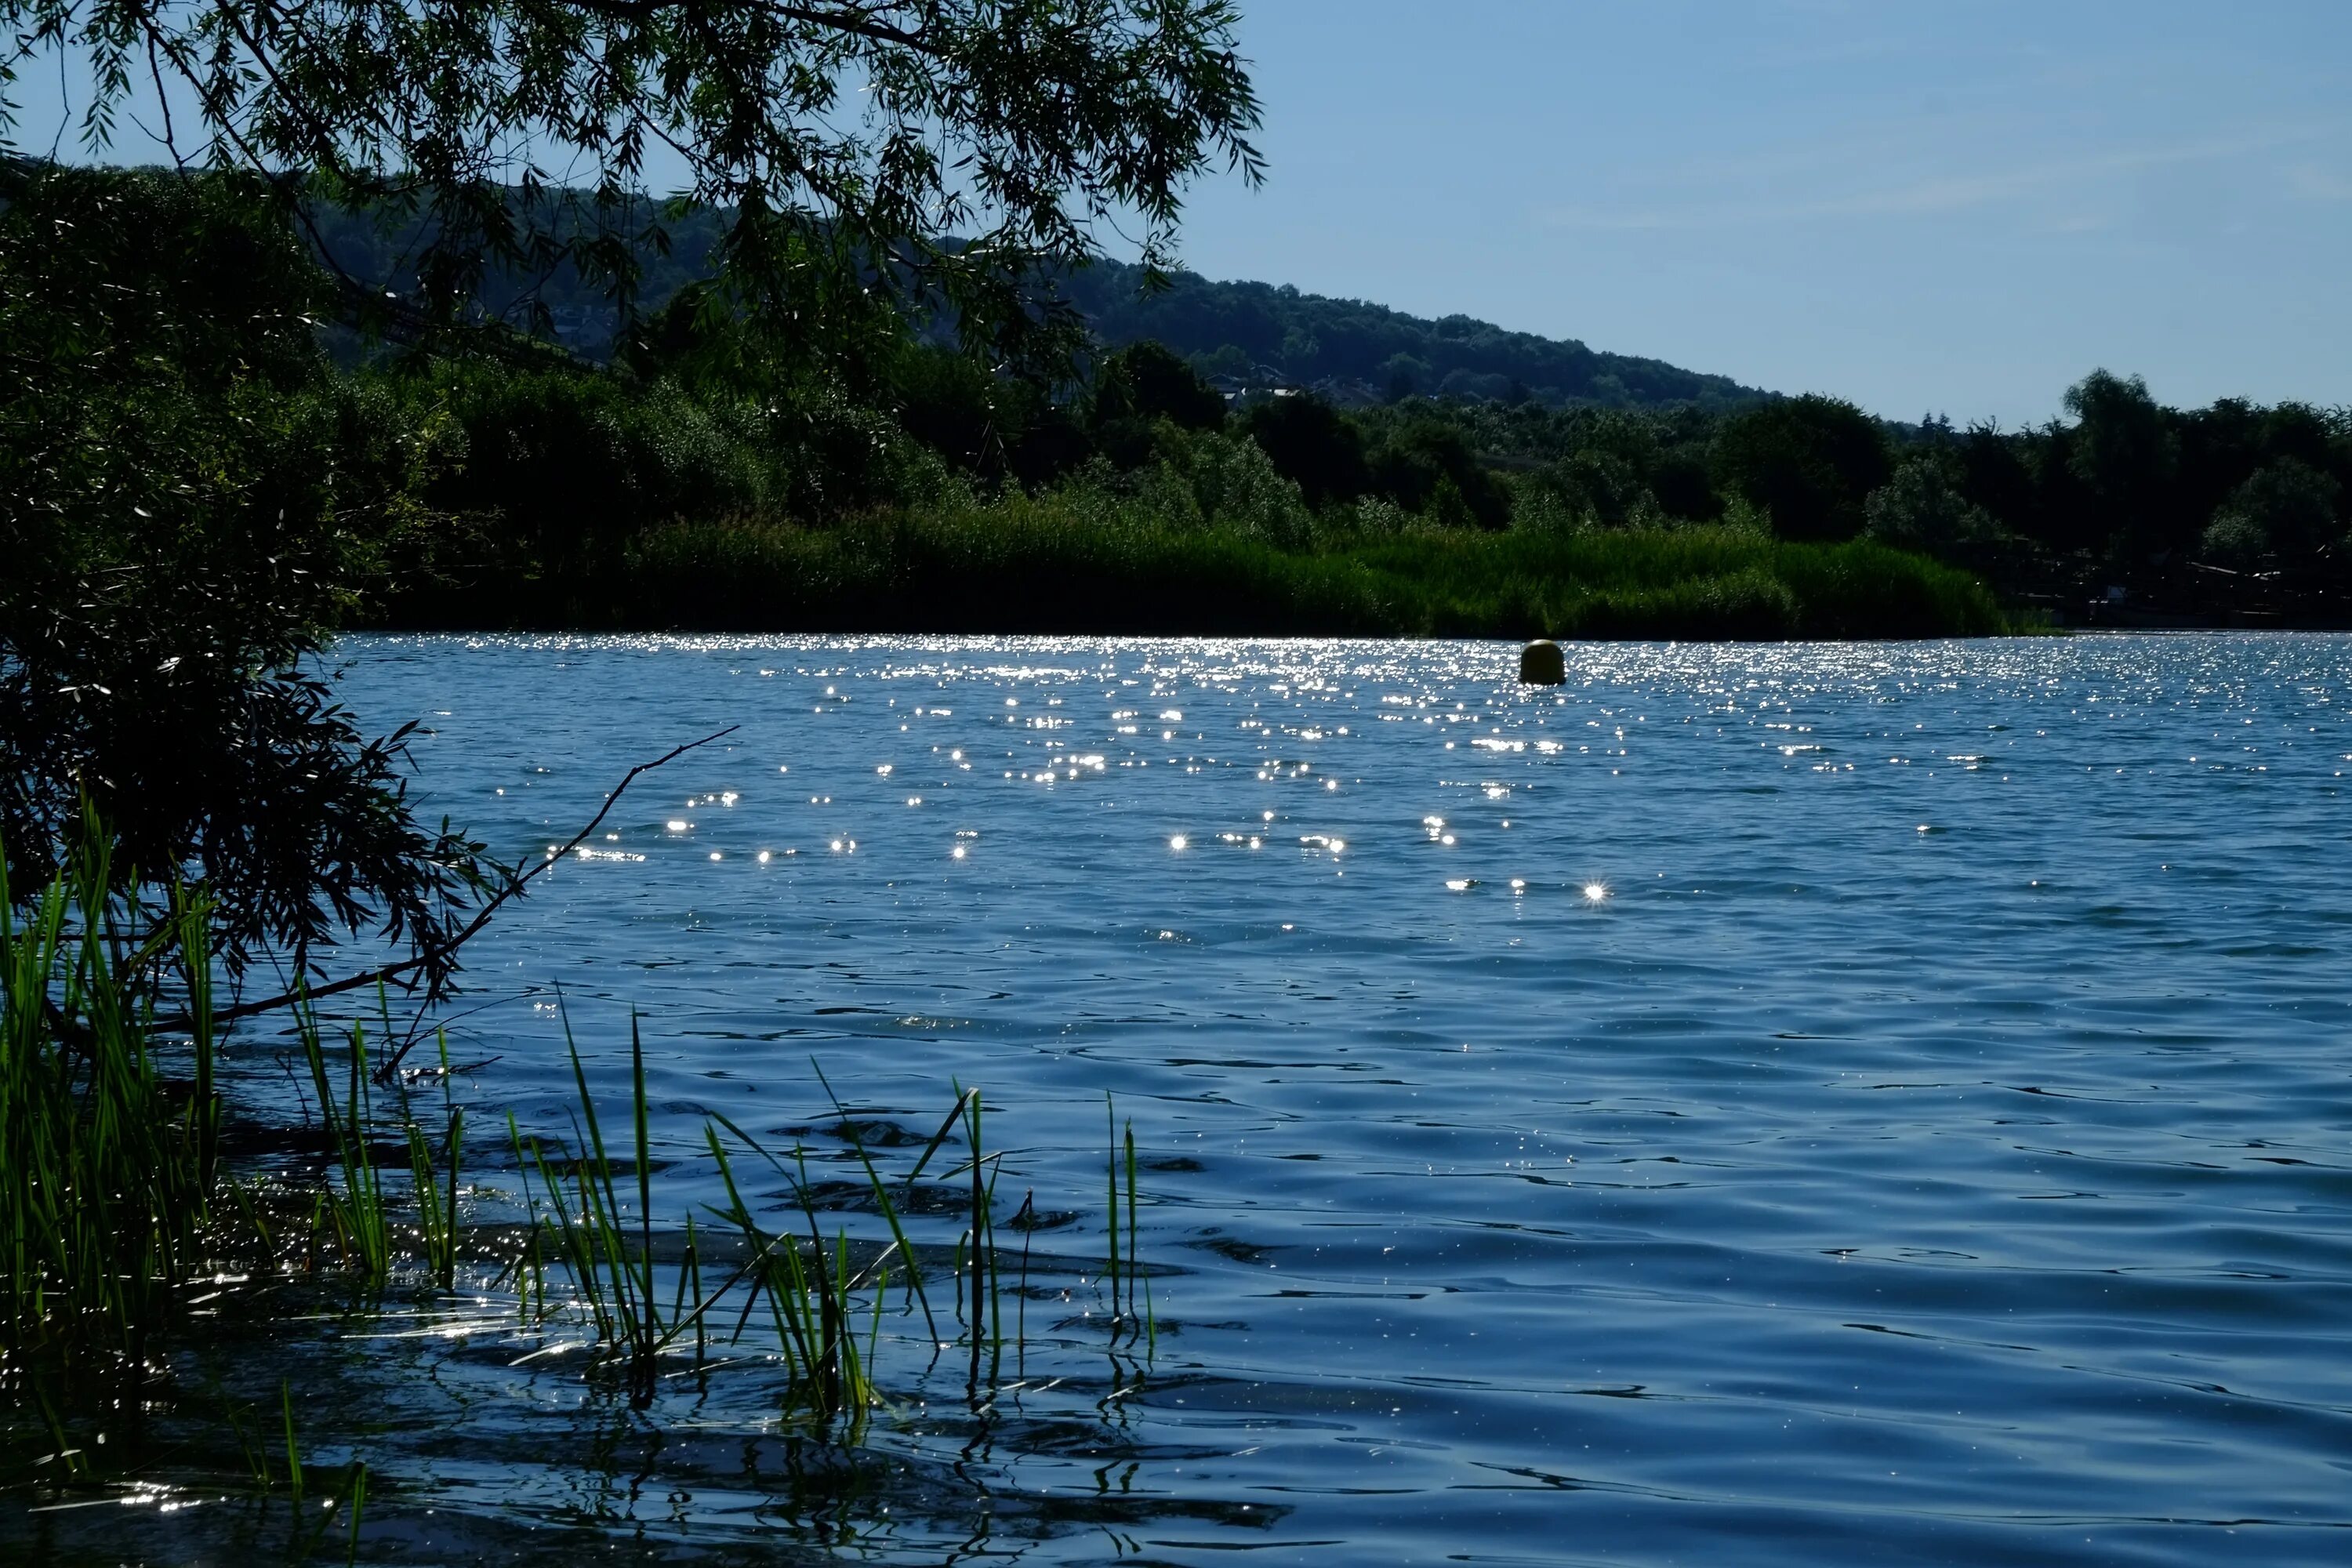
439, 951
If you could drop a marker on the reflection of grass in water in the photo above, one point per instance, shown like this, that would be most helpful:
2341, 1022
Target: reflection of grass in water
182, 1295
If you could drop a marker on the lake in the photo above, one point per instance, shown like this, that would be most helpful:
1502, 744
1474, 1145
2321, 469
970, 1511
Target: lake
1754, 1103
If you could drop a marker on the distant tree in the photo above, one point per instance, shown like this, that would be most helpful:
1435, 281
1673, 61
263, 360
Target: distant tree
1992, 474
1681, 487
1920, 508
1599, 484
2286, 507
1145, 381
1811, 462
1236, 486
955, 405
1428, 462
2125, 455
1313, 446
2236, 541
1402, 374
1225, 359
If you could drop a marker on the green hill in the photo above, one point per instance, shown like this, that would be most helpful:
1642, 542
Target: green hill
1241, 332
1360, 353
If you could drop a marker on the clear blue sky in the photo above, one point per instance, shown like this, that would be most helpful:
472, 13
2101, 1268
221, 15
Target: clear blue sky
1921, 206
1944, 206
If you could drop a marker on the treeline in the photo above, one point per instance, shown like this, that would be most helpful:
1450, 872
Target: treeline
2232, 512
181, 417
2126, 509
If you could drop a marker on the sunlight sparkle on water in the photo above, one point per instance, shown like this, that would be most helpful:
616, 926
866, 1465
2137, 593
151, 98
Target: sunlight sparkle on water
1176, 841
1595, 891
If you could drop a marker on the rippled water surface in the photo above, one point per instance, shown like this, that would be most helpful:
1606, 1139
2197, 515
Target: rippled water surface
1766, 1104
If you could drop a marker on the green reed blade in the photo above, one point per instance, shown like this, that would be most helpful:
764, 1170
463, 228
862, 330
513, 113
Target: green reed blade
293, 1455
1132, 1233
644, 1170
938, 1138
1110, 1119
449, 1225
359, 1506
889, 1209
1028, 1212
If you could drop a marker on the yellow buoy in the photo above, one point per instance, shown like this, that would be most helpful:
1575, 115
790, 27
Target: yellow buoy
1540, 663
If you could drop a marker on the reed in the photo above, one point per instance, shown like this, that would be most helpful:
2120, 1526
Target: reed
1079, 562
613, 1283
351, 1210
1121, 1271
106, 1169
112, 1197
811, 1300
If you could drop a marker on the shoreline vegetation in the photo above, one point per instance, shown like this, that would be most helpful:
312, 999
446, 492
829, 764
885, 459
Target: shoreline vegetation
1049, 567
146, 1232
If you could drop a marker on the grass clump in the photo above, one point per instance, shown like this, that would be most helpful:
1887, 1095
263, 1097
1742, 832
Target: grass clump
106, 1168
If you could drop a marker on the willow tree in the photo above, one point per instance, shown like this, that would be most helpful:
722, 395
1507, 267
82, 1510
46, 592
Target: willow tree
867, 157
946, 150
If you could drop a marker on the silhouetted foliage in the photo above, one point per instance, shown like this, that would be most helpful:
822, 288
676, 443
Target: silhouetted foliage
939, 152
191, 500
1145, 381
188, 504
1313, 446
1809, 461
2125, 454
1428, 464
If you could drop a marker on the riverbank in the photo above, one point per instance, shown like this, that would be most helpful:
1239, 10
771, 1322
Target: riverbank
1052, 564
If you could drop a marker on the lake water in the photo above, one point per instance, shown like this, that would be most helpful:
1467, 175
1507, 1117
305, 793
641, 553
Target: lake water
1757, 1104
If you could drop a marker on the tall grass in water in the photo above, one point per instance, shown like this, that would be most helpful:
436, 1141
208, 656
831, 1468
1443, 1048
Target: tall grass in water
579, 1221
1122, 1271
112, 1199
106, 1168
354, 1216
822, 1292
